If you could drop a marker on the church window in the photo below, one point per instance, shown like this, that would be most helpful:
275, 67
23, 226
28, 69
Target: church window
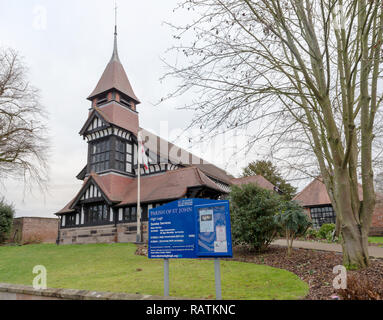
96, 214
130, 214
100, 156
120, 155
129, 158
71, 220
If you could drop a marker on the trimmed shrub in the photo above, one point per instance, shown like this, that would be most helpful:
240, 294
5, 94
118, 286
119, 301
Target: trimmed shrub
253, 211
311, 233
326, 231
6, 219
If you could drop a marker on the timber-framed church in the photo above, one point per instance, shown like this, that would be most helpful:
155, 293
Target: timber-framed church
105, 209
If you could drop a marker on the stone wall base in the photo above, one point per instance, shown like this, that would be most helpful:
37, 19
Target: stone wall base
122, 233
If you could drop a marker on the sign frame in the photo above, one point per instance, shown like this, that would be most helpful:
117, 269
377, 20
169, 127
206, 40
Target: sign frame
191, 232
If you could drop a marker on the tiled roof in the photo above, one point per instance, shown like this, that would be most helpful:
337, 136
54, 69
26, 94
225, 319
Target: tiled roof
170, 185
315, 194
258, 180
112, 113
177, 155
114, 77
113, 186
121, 117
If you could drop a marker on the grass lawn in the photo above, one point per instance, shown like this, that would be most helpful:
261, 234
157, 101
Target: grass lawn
115, 268
375, 240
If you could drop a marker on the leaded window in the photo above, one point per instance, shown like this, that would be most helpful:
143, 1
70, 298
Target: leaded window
70, 220
145, 213
322, 215
120, 155
130, 214
96, 214
100, 156
129, 158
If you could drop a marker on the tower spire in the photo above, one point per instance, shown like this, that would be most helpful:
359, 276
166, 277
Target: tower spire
115, 17
115, 49
114, 76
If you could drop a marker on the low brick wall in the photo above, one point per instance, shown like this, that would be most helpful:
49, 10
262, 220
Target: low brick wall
30, 230
377, 221
376, 232
20, 292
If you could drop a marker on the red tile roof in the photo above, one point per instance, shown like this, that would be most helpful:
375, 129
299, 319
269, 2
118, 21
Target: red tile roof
170, 185
113, 113
113, 186
258, 180
315, 194
165, 186
114, 77
121, 117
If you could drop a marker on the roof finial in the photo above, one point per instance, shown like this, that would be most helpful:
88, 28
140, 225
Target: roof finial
115, 17
115, 51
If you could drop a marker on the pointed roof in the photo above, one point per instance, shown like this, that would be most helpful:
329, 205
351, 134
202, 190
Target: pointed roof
114, 115
113, 187
94, 113
315, 194
114, 77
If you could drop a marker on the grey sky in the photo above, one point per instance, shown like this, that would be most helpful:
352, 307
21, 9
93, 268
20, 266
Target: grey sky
66, 45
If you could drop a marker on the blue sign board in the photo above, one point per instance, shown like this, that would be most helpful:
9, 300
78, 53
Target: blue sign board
190, 228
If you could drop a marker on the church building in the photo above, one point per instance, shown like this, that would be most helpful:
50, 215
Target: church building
105, 209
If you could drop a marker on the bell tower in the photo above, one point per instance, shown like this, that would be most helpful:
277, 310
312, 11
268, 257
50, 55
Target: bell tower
112, 126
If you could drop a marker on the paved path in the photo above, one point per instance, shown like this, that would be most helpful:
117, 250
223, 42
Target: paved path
375, 252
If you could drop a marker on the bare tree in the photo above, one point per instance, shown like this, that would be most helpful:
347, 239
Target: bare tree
23, 142
305, 74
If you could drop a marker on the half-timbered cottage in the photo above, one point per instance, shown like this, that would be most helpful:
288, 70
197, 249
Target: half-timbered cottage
105, 209
316, 201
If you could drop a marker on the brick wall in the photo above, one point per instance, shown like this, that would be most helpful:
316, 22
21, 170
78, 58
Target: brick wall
27, 230
377, 221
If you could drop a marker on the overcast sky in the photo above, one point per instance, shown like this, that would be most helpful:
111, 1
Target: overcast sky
66, 45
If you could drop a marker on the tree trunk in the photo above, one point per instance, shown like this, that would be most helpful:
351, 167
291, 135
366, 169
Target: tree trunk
355, 247
291, 245
288, 243
354, 230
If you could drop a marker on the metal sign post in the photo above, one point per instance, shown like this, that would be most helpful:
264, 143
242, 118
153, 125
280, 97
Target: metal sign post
217, 272
166, 277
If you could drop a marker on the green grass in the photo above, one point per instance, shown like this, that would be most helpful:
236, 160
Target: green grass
375, 240
115, 268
